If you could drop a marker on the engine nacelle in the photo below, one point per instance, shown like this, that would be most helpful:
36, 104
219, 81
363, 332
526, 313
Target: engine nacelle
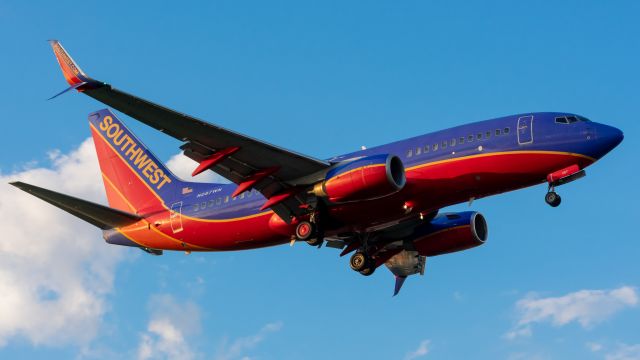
450, 232
365, 178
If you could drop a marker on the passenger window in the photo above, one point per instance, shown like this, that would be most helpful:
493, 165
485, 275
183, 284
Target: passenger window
218, 201
435, 147
226, 199
487, 134
506, 130
203, 205
242, 196
250, 193
444, 145
410, 153
479, 136
211, 202
461, 140
426, 148
497, 132
470, 138
452, 142
196, 207
418, 150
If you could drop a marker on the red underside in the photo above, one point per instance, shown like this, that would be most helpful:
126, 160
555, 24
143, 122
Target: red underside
429, 187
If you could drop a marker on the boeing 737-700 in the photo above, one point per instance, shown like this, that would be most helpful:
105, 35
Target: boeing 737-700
381, 204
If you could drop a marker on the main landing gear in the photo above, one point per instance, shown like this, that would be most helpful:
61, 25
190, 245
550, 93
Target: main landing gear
363, 263
552, 198
311, 231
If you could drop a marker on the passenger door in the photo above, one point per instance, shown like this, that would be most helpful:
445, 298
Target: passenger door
175, 217
525, 130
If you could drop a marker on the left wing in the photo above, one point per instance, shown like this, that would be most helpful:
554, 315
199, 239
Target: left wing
279, 174
101, 216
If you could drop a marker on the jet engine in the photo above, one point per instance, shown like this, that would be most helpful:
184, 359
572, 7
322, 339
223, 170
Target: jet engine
366, 178
446, 233
450, 232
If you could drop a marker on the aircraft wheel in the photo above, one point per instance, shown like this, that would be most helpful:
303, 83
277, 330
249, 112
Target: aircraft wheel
359, 261
369, 269
305, 230
553, 199
315, 241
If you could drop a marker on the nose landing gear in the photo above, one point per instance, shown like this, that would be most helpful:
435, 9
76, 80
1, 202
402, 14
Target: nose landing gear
561, 177
552, 198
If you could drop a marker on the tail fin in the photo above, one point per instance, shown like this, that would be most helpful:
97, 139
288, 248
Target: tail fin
134, 179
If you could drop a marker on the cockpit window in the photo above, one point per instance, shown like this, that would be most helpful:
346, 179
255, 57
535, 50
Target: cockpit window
570, 119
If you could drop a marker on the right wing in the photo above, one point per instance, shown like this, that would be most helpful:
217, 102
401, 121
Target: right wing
276, 172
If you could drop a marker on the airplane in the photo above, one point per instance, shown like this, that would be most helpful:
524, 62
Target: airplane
382, 204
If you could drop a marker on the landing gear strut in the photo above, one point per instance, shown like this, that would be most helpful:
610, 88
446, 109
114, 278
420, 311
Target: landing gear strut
552, 198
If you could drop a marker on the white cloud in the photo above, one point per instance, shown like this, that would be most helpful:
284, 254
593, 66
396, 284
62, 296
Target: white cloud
522, 331
586, 307
169, 326
422, 350
182, 167
239, 347
55, 270
625, 352
594, 346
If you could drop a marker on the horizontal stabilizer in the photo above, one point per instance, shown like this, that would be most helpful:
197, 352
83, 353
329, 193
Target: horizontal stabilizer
99, 215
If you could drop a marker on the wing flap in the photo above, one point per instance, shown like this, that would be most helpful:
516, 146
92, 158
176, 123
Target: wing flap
99, 215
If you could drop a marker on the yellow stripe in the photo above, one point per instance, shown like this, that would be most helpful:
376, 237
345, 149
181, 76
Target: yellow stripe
147, 222
499, 154
162, 201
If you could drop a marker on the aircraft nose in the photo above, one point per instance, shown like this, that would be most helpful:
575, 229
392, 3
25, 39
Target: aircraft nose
608, 137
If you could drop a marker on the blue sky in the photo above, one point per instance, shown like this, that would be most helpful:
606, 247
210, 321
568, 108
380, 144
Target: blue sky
323, 78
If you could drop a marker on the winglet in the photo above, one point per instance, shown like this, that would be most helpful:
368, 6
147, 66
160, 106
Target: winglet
71, 71
75, 77
399, 282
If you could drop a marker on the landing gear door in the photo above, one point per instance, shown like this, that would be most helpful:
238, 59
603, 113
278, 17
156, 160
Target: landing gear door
175, 217
525, 130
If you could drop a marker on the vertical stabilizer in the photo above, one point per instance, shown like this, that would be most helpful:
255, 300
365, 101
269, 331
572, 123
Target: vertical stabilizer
135, 180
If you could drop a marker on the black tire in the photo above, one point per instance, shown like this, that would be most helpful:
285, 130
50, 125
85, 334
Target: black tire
369, 270
305, 231
359, 261
552, 199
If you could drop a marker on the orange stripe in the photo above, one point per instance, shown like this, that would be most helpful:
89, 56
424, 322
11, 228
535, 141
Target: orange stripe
499, 154
353, 170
